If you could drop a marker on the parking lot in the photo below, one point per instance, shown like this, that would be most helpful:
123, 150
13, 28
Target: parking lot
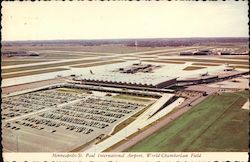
72, 118
32, 102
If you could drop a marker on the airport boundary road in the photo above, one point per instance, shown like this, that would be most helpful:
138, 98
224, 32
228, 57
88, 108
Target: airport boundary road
156, 127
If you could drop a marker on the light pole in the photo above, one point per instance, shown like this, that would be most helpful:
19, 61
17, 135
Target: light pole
16, 138
17, 142
136, 45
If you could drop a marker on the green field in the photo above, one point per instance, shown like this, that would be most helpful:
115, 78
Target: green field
9, 63
188, 68
167, 62
21, 74
96, 64
127, 97
17, 69
216, 124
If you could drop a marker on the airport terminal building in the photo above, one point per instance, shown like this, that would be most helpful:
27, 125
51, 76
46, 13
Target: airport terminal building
128, 80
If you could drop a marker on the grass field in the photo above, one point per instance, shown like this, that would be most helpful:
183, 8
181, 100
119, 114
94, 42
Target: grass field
241, 67
9, 70
238, 58
113, 48
6, 76
72, 90
96, 64
167, 62
205, 64
189, 68
217, 124
9, 63
148, 57
63, 56
128, 121
133, 98
171, 50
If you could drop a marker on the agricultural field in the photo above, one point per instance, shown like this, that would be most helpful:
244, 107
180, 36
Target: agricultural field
218, 124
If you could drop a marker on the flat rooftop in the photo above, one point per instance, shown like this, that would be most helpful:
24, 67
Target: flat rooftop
137, 79
112, 75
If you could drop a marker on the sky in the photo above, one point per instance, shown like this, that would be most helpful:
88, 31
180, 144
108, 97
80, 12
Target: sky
116, 20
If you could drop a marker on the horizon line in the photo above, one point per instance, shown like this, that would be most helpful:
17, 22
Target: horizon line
119, 39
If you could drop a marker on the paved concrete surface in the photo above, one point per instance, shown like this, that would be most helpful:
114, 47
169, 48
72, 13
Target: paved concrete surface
141, 122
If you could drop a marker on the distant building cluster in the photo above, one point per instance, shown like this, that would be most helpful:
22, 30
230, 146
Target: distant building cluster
19, 53
217, 51
200, 52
